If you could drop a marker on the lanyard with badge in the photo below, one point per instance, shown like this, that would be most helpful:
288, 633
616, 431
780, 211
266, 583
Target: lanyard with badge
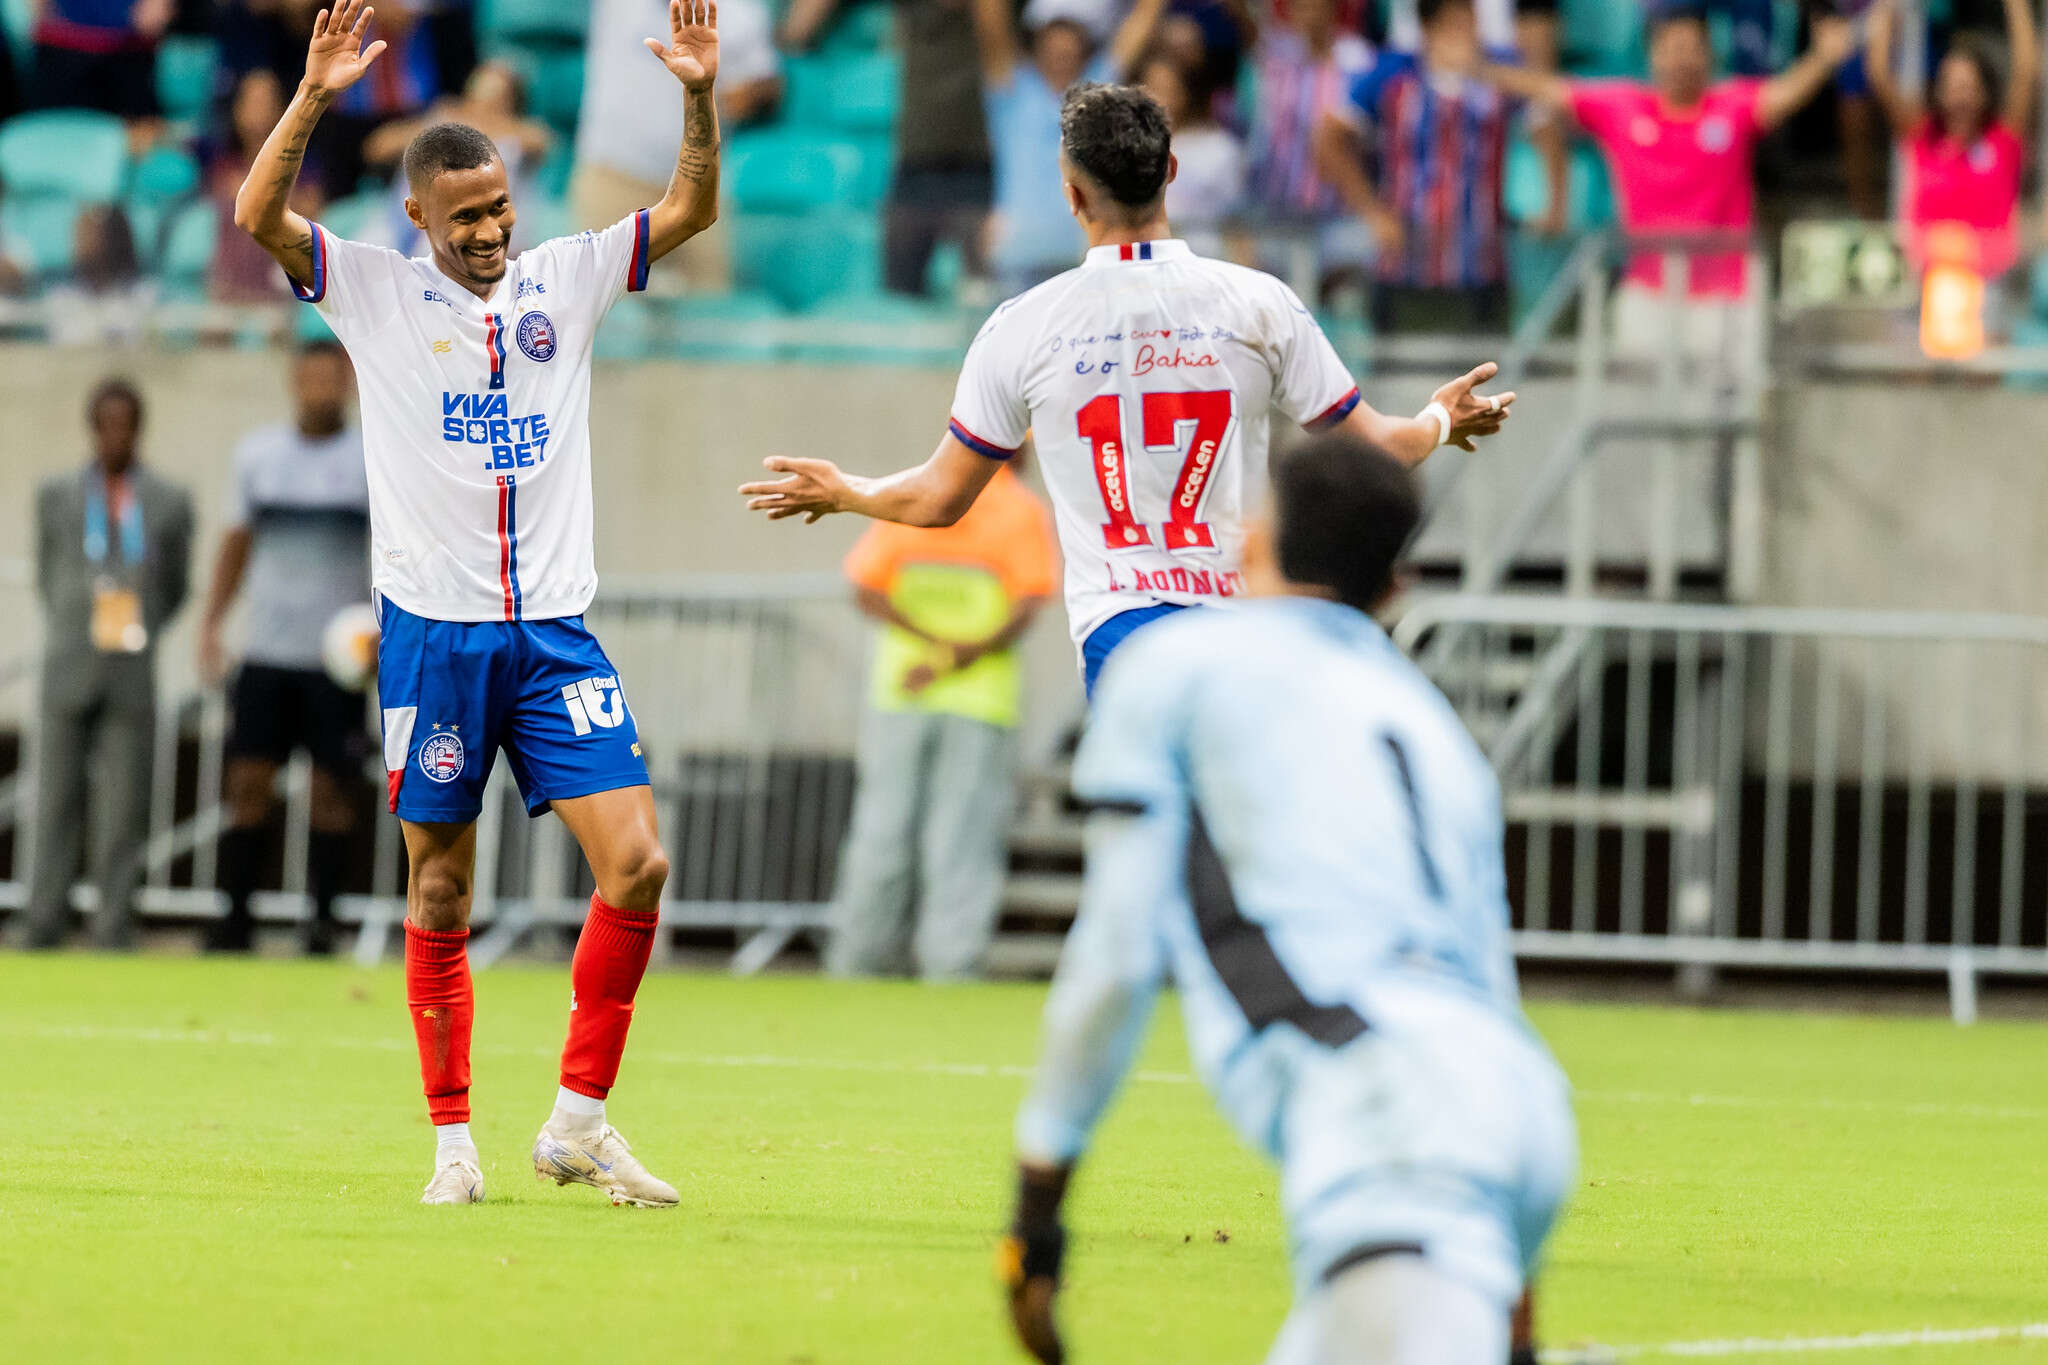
117, 626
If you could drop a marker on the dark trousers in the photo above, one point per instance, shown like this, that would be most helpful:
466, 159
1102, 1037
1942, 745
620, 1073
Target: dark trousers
928, 206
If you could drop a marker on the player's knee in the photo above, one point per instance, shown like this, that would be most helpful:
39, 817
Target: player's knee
641, 874
440, 899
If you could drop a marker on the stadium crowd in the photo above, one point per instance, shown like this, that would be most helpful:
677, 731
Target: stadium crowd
1427, 151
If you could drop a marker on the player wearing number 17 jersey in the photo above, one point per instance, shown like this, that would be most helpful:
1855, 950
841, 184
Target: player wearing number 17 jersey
475, 379
1148, 378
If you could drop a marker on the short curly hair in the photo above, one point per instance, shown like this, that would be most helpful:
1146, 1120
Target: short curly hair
446, 147
1117, 135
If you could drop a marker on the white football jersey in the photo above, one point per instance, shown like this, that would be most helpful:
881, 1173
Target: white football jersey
1148, 377
476, 418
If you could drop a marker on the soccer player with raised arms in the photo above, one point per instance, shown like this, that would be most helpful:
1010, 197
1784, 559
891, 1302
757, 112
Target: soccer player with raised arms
1292, 826
474, 371
1148, 377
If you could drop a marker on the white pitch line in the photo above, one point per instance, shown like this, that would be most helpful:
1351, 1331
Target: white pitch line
1764, 1346
996, 1071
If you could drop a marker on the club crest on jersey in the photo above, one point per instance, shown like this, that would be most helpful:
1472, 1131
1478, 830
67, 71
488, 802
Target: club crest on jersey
537, 336
441, 757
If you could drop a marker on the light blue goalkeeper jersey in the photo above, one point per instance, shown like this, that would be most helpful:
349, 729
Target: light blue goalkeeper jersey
1298, 833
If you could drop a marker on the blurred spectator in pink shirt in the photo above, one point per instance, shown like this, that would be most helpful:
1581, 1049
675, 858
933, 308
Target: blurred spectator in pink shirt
1682, 150
1964, 148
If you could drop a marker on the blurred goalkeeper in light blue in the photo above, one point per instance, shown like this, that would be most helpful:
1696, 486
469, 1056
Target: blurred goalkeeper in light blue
1294, 828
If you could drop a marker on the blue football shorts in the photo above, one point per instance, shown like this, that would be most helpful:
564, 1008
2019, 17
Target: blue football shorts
455, 692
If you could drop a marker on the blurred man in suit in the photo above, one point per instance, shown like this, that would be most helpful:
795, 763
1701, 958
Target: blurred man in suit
113, 550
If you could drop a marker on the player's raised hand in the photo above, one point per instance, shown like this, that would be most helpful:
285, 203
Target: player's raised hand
336, 58
691, 52
812, 488
1473, 415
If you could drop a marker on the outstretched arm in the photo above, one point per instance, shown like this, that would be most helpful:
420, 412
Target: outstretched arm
1340, 161
1538, 87
1455, 416
995, 35
335, 60
935, 493
1901, 109
1785, 94
1134, 35
691, 204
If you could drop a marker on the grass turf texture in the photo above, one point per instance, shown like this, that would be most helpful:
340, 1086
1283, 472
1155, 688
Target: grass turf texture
219, 1161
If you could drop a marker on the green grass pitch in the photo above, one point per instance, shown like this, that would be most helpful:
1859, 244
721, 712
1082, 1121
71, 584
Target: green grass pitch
219, 1161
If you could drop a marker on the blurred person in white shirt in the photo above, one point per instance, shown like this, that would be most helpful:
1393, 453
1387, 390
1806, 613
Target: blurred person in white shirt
630, 123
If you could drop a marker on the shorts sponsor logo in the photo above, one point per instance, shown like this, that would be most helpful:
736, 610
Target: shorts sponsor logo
537, 337
441, 757
595, 704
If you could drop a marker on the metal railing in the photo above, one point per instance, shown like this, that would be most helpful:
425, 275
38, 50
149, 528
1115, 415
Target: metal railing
1750, 787
747, 692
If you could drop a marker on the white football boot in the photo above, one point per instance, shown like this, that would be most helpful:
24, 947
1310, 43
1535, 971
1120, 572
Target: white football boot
603, 1161
458, 1178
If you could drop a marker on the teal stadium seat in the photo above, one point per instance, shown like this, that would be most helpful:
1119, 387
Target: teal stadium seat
553, 73
1526, 187
73, 152
802, 258
188, 245
790, 172
347, 217
43, 224
563, 20
19, 18
864, 92
184, 75
555, 93
1602, 37
863, 27
806, 91
163, 175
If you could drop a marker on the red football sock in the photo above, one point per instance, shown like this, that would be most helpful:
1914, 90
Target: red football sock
611, 957
443, 1005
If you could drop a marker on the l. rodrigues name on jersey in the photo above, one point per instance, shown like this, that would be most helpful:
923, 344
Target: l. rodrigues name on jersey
1147, 377
476, 418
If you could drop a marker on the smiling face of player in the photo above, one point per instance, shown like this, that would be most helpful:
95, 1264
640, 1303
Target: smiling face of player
467, 216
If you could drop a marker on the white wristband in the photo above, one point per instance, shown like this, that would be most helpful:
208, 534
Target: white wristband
1441, 415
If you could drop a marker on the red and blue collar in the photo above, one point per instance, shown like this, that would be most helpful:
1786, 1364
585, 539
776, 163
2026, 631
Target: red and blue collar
1164, 249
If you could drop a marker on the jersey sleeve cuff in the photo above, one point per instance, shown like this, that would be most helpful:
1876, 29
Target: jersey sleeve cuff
636, 270
977, 444
318, 291
1335, 413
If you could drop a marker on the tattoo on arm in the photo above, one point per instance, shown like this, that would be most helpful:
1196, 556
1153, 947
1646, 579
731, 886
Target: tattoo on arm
271, 179
697, 162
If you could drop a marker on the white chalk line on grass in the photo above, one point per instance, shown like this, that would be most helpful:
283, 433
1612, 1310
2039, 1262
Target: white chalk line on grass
1762, 1346
996, 1071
